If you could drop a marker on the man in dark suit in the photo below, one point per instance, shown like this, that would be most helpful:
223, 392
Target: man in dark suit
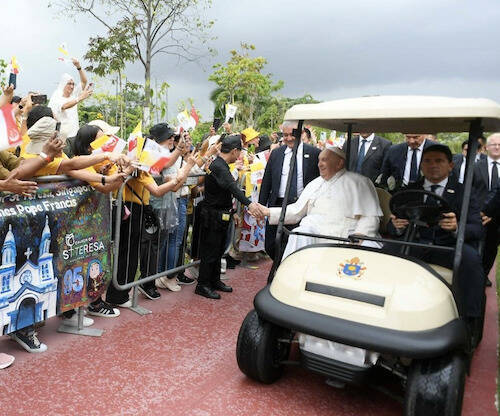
272, 189
486, 181
402, 161
459, 161
436, 167
367, 154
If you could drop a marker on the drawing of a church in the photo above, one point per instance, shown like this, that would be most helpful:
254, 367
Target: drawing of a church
29, 294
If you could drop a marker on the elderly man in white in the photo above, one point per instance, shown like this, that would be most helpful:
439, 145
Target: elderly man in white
337, 203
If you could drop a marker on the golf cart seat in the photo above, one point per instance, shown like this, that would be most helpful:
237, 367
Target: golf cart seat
384, 197
447, 274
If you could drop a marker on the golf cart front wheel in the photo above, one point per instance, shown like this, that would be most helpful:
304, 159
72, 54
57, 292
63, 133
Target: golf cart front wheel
435, 387
259, 351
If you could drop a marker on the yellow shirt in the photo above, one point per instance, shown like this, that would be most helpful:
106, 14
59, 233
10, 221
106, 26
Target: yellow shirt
139, 186
8, 162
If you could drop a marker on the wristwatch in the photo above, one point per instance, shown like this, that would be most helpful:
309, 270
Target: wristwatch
103, 179
45, 157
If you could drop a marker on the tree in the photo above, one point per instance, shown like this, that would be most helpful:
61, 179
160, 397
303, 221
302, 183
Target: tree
153, 27
241, 81
108, 55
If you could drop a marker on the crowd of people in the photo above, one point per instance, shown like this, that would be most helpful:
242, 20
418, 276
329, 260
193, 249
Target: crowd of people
329, 195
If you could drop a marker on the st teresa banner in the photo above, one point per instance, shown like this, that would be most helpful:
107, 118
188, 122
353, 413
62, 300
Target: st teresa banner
56, 252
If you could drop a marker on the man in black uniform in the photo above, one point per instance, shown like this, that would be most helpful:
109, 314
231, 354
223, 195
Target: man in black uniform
216, 213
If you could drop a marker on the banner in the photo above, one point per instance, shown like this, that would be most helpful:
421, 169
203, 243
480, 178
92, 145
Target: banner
56, 252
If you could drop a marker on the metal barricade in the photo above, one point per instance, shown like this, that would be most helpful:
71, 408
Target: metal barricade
148, 247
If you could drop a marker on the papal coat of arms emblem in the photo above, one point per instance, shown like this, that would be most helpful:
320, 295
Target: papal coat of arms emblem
353, 268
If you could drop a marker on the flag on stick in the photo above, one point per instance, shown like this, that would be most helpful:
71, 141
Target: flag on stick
9, 132
135, 142
111, 143
153, 157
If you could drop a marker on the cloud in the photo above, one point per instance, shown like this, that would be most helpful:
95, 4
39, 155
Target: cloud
330, 49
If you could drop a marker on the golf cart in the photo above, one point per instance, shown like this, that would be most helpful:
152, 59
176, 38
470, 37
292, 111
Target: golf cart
354, 310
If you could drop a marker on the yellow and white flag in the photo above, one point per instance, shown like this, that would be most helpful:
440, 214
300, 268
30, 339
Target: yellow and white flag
135, 143
153, 157
111, 143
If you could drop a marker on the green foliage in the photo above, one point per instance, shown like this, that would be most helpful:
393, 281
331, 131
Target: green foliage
200, 131
3, 73
241, 82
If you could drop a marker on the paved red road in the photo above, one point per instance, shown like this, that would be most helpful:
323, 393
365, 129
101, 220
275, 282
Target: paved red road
181, 361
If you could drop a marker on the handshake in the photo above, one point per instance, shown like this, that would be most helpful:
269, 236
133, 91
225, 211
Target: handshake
258, 211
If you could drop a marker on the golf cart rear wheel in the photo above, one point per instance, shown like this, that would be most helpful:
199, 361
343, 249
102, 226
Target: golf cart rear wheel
259, 351
435, 387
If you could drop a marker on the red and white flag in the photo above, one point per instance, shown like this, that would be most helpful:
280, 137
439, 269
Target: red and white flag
9, 132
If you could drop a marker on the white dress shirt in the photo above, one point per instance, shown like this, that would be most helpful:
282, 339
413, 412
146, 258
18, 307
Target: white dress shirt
409, 153
368, 143
286, 169
441, 185
490, 168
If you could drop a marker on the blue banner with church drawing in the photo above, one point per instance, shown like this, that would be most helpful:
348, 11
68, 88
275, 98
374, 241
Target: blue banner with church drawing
56, 252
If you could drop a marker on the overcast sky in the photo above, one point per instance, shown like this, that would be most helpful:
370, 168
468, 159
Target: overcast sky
327, 48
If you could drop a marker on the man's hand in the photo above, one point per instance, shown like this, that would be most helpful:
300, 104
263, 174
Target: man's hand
213, 150
117, 177
398, 222
53, 147
12, 184
76, 63
485, 219
8, 94
449, 222
227, 128
258, 211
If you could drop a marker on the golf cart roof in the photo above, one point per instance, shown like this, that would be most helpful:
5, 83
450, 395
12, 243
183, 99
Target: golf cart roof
403, 113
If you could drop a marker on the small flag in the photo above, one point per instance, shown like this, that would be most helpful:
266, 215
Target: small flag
153, 157
111, 143
63, 50
230, 112
135, 142
194, 115
14, 67
9, 132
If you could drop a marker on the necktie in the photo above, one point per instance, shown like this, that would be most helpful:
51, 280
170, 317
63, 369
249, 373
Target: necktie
361, 156
494, 176
431, 200
413, 166
293, 186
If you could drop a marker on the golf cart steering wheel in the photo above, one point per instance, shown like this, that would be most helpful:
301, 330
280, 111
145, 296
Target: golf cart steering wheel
409, 205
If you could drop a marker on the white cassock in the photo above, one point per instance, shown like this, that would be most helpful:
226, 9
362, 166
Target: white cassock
343, 205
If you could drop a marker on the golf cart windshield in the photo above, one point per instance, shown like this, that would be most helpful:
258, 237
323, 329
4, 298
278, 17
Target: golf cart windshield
404, 114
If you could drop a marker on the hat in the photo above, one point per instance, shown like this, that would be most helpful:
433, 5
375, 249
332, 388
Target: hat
231, 142
264, 143
335, 149
439, 148
161, 132
249, 134
105, 127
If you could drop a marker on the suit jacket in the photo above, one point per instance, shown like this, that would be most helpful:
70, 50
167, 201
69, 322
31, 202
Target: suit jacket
270, 186
374, 156
453, 194
395, 161
458, 160
481, 182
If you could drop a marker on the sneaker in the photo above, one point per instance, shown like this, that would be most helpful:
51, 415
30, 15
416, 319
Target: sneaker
5, 360
182, 279
103, 309
28, 340
161, 283
171, 284
73, 321
223, 265
151, 292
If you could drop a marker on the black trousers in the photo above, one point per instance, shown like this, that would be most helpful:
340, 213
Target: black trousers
212, 246
270, 234
131, 248
471, 278
491, 242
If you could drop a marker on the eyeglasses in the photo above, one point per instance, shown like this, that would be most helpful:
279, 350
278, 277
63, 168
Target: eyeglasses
493, 145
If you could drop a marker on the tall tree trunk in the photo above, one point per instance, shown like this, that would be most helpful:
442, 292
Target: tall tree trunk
147, 78
120, 97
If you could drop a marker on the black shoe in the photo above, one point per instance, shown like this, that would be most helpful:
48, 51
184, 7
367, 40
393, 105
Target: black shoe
184, 280
231, 263
205, 291
222, 287
150, 292
488, 282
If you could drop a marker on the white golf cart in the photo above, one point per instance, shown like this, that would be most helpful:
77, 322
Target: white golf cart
352, 309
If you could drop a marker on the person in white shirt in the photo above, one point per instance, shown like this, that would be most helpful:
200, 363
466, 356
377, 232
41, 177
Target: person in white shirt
338, 203
64, 101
